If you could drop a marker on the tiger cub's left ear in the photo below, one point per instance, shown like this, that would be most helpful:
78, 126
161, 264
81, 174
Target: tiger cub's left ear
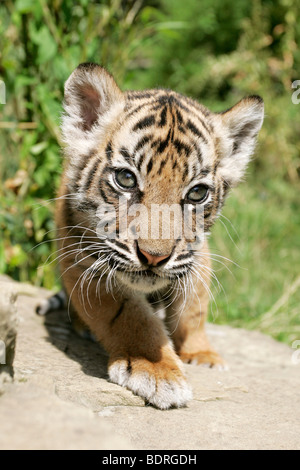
236, 130
91, 100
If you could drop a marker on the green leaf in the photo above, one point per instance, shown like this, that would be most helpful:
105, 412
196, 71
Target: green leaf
39, 148
47, 47
39, 216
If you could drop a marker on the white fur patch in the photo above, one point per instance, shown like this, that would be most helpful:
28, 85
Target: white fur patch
142, 284
163, 394
43, 307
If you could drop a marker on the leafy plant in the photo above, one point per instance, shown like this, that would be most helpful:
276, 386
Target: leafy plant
216, 52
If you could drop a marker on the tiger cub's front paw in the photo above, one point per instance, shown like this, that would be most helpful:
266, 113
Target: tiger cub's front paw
160, 383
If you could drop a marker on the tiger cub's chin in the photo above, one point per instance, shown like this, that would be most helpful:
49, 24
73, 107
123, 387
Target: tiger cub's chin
143, 281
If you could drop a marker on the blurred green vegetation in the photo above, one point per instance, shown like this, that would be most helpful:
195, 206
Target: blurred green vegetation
215, 51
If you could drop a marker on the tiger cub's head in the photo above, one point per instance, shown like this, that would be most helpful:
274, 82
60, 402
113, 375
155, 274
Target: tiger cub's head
132, 156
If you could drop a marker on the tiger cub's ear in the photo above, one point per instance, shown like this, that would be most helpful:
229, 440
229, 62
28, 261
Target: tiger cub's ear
237, 129
90, 102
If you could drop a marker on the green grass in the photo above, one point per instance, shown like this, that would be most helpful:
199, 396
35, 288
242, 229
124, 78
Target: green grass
214, 54
261, 234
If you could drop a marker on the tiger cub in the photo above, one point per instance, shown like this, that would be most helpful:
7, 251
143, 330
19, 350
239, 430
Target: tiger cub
128, 155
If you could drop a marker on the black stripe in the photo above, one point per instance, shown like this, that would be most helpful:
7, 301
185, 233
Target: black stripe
87, 205
205, 125
194, 111
161, 101
93, 255
91, 175
154, 297
217, 163
155, 143
146, 122
156, 106
149, 166
120, 258
197, 108
199, 153
142, 142
181, 105
183, 256
108, 151
131, 111
119, 312
140, 95
182, 129
194, 171
165, 98
112, 188
194, 129
186, 171
226, 187
218, 196
173, 118
205, 171
103, 195
180, 271
180, 146
60, 300
124, 152
141, 160
79, 168
164, 143
121, 245
207, 211
163, 163
117, 259
68, 214
179, 116
163, 117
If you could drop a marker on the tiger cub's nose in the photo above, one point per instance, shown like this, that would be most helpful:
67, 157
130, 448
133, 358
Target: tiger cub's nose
152, 259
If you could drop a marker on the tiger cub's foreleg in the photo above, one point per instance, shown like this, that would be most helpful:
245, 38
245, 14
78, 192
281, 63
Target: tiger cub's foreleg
141, 356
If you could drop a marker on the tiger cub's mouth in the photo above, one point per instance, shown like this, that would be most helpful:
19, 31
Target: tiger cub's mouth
148, 280
144, 281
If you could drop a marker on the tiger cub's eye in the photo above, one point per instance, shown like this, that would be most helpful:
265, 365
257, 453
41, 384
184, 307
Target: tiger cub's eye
198, 193
125, 178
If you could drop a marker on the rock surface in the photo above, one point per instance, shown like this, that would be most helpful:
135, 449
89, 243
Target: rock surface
8, 332
61, 399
